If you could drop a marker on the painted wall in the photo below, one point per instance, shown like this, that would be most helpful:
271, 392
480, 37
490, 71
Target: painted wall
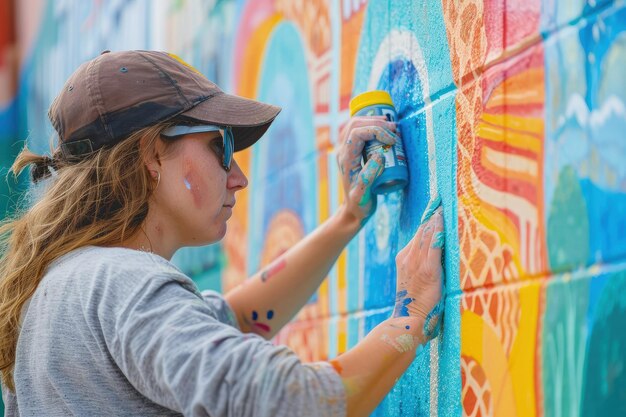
513, 111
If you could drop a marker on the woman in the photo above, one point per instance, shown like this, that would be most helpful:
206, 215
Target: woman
95, 320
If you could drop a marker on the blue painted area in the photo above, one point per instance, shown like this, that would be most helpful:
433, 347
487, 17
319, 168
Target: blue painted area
8, 121
397, 218
355, 324
449, 344
556, 14
423, 20
417, 71
606, 213
585, 120
284, 162
597, 38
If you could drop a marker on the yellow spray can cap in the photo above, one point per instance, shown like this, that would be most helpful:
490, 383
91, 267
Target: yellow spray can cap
369, 98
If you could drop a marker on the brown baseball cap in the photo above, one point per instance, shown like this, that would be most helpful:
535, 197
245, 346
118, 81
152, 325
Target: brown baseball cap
117, 93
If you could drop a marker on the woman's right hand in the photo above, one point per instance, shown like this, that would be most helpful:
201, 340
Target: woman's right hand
419, 269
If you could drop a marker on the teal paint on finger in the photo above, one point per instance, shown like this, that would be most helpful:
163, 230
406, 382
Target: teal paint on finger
430, 210
439, 240
371, 171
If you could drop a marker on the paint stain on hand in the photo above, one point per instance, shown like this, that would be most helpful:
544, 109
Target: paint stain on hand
402, 302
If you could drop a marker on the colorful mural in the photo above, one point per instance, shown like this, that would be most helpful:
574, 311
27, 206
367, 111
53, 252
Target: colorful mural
512, 111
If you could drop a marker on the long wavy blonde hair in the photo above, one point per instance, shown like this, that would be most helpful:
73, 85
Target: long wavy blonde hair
101, 200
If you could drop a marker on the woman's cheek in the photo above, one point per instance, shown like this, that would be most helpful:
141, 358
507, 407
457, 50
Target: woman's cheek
193, 182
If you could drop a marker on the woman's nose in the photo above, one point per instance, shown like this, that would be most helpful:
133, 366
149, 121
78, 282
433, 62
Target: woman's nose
236, 178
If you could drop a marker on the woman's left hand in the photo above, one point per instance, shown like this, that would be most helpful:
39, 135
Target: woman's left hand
357, 180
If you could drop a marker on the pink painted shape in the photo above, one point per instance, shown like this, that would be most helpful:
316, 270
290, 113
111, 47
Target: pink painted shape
273, 269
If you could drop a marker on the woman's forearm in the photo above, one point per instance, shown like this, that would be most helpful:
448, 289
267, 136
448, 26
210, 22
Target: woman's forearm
271, 297
371, 368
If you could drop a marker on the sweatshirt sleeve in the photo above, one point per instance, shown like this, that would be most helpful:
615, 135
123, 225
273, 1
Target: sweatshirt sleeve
167, 340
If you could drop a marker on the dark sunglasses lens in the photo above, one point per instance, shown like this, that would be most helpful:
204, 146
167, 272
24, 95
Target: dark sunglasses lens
229, 146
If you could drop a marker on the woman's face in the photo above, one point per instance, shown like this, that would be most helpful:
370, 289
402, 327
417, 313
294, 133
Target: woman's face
195, 195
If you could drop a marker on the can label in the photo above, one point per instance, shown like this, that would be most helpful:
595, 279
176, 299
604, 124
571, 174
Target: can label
394, 155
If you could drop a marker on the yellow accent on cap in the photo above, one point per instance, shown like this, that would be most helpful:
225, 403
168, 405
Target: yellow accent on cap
369, 98
179, 59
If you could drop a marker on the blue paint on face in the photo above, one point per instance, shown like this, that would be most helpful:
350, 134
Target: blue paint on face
270, 314
255, 315
187, 184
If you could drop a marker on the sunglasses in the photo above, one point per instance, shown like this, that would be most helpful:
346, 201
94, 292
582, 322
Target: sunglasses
228, 140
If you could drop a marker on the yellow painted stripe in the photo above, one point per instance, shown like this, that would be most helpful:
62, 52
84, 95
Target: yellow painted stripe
522, 359
342, 336
513, 138
479, 342
531, 125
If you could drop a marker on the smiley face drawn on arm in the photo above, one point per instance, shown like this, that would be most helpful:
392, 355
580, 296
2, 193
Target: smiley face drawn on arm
257, 325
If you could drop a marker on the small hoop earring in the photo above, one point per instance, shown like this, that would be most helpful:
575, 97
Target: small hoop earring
158, 180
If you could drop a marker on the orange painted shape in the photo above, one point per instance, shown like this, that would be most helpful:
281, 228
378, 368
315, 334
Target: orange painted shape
335, 363
253, 55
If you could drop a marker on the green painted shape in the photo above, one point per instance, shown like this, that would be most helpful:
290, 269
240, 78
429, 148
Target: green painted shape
568, 224
563, 347
605, 367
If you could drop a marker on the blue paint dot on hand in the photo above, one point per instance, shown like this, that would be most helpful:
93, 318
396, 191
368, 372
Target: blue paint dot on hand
255, 315
407, 327
270, 314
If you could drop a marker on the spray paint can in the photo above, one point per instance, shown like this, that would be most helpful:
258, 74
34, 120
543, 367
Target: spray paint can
396, 173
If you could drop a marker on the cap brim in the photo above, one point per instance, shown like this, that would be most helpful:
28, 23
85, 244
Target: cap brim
249, 119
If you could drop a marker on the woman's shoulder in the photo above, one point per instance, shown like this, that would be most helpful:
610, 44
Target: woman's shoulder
102, 264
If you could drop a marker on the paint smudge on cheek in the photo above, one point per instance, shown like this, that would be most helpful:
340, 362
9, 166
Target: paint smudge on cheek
193, 183
273, 269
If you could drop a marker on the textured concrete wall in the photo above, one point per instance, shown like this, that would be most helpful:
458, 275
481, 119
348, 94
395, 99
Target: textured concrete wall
513, 111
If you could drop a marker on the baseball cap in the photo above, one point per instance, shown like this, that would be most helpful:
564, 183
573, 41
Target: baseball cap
117, 93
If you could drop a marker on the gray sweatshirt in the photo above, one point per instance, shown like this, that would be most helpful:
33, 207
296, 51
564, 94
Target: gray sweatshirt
118, 332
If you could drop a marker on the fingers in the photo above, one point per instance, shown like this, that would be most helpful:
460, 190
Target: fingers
360, 135
372, 170
363, 121
430, 233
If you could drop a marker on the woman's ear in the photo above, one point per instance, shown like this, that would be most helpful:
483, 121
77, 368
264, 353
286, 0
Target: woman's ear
151, 151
